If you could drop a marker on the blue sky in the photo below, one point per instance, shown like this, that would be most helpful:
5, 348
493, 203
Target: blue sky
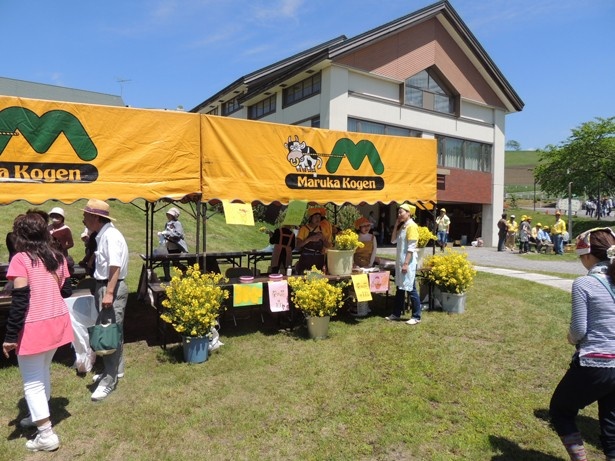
557, 54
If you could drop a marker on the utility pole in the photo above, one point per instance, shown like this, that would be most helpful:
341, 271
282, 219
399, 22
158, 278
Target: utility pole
570, 210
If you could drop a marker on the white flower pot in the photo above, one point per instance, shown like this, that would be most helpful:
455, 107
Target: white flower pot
454, 303
339, 262
318, 327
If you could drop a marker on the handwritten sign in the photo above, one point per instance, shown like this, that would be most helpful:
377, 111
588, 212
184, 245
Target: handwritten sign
361, 287
278, 296
379, 281
247, 294
238, 213
295, 212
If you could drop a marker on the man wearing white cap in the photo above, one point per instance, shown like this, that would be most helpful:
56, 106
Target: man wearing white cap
173, 235
111, 293
59, 230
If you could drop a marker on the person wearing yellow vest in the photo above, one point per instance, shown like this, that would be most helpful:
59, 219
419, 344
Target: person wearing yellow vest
406, 236
557, 231
511, 233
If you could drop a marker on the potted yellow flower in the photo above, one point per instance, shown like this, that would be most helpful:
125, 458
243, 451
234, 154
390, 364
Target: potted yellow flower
452, 273
193, 303
425, 236
318, 299
340, 257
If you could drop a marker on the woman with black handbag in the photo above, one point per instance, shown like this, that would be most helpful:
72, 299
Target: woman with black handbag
38, 321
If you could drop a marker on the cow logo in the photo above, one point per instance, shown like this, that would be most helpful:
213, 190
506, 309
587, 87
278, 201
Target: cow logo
302, 156
40, 133
307, 162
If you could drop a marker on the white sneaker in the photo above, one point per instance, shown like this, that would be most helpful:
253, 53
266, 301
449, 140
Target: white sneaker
27, 422
393, 317
101, 393
99, 376
40, 443
413, 321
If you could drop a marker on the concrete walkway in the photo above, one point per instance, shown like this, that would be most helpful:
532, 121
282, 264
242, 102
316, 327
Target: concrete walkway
555, 282
512, 264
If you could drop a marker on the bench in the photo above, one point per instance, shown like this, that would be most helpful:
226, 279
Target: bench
546, 248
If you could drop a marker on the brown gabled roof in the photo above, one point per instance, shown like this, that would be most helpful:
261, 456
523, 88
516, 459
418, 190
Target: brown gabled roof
274, 74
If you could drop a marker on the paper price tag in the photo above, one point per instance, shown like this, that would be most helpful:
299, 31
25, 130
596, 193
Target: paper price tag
278, 296
360, 283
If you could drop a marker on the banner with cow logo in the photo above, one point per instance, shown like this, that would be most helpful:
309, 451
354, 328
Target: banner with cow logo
246, 160
68, 151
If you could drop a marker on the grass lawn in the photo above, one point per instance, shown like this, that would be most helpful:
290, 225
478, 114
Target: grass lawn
455, 387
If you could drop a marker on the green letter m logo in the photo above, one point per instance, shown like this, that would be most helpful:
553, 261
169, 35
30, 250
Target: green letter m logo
355, 153
41, 132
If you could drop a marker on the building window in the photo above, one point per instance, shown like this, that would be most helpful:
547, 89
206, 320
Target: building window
231, 106
262, 108
426, 91
460, 153
214, 111
301, 90
363, 126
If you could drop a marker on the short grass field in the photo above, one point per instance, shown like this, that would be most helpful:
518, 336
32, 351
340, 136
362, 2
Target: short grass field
455, 387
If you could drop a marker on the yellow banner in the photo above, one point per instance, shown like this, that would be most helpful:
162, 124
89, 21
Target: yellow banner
256, 161
69, 151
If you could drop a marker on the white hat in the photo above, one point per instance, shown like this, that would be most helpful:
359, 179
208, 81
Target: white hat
57, 210
173, 212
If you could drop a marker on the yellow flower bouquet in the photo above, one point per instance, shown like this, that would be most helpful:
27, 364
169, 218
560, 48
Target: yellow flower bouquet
194, 301
315, 296
347, 240
450, 271
425, 236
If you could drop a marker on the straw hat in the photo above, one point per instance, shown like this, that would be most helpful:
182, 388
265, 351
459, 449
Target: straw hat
173, 212
316, 210
98, 208
362, 221
409, 208
57, 210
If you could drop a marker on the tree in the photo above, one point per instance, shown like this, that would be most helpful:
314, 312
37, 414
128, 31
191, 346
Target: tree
513, 145
586, 159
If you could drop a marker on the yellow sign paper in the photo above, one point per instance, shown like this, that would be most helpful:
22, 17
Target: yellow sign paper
238, 213
361, 287
247, 294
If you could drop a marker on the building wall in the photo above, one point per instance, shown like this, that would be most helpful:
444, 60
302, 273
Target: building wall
368, 84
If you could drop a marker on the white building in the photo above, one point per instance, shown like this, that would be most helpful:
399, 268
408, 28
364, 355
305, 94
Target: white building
422, 75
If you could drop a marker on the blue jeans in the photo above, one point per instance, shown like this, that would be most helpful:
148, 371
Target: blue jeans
501, 242
558, 244
400, 301
580, 387
442, 238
